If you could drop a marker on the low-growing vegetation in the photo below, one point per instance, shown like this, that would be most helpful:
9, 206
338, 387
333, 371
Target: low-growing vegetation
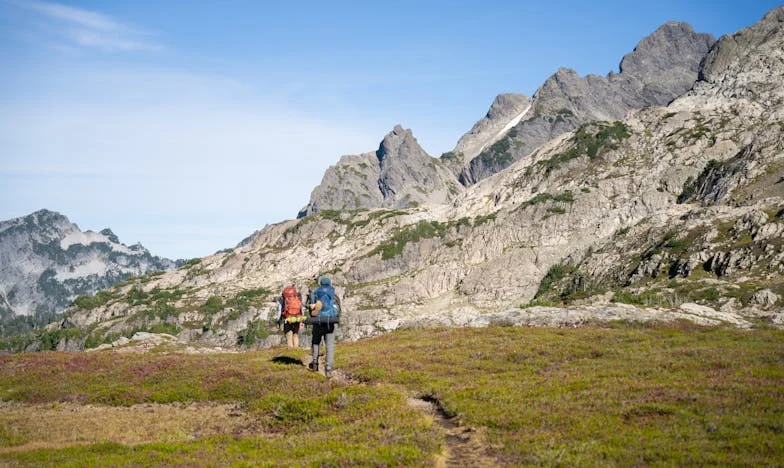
255, 331
672, 394
482, 219
589, 140
499, 154
91, 302
540, 198
290, 416
555, 274
409, 234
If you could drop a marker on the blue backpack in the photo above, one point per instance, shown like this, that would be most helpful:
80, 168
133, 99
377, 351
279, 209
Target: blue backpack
326, 294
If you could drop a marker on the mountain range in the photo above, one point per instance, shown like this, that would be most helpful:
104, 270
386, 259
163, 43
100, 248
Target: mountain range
46, 262
400, 174
654, 193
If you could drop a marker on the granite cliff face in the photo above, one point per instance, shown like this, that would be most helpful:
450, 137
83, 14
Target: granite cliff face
46, 261
400, 174
663, 66
674, 212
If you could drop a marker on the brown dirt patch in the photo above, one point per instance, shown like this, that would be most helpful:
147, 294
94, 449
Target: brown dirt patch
26, 426
465, 445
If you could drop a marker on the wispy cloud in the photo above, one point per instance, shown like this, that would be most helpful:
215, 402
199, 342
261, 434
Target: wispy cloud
84, 18
91, 30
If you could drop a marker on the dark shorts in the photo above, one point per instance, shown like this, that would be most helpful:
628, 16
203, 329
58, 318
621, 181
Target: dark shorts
320, 330
291, 327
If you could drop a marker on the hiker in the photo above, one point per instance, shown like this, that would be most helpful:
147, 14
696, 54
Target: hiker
290, 313
324, 306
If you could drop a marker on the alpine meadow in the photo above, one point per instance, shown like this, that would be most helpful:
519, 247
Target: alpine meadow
592, 276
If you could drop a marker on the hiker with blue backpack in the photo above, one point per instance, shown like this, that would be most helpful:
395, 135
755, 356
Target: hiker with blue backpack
324, 305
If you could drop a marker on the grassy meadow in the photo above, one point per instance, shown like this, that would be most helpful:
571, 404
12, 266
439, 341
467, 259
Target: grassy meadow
667, 395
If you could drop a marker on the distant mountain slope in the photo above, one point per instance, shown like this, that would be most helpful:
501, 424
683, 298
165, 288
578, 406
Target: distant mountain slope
46, 261
664, 65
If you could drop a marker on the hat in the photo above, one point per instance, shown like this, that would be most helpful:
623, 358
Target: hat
325, 281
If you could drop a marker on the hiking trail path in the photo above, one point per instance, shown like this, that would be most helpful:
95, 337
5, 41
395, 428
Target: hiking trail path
466, 446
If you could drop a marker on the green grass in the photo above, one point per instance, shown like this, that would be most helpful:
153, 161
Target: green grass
90, 302
674, 395
589, 140
300, 418
649, 297
555, 274
213, 305
409, 234
564, 197
482, 219
598, 397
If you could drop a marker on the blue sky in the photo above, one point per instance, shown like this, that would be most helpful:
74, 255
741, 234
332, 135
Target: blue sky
188, 125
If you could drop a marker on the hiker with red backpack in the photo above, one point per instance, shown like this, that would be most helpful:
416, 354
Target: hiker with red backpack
290, 314
324, 306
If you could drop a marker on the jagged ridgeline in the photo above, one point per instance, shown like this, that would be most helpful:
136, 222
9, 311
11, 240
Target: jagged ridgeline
400, 174
674, 206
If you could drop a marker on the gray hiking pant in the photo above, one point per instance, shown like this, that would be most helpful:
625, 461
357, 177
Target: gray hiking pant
328, 333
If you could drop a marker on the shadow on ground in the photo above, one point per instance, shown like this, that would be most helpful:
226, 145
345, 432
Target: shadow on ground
288, 360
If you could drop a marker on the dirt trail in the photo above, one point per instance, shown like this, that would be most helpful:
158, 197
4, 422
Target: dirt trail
465, 446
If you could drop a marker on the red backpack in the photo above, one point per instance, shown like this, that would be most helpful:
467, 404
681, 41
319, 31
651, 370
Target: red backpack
292, 303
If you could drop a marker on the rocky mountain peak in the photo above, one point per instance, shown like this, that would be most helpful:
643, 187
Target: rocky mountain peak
673, 44
395, 141
111, 235
45, 218
507, 105
730, 48
46, 215
399, 174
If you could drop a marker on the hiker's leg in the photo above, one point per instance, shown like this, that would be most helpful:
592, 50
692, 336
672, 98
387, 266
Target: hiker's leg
314, 347
329, 339
295, 339
290, 339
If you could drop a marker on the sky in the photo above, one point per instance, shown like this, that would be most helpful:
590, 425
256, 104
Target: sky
186, 125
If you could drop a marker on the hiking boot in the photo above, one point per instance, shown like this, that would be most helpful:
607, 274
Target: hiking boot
313, 366
328, 372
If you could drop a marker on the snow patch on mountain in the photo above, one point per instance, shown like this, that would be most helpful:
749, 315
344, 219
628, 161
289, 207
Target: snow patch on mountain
90, 237
92, 266
512, 123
